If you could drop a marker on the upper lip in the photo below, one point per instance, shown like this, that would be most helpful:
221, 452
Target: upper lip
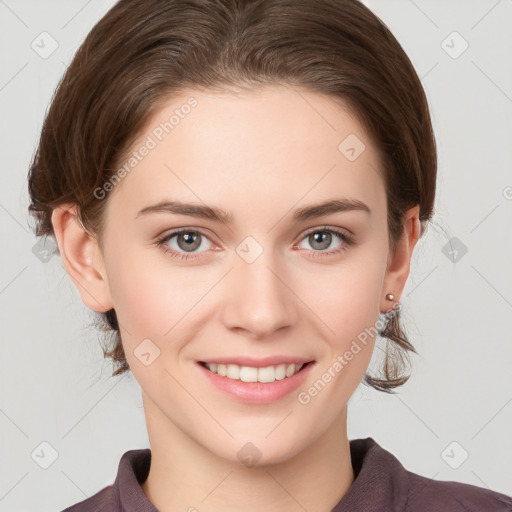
257, 363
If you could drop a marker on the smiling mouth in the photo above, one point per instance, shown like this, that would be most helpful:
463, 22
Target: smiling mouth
252, 374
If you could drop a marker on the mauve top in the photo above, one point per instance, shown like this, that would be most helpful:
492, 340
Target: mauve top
381, 484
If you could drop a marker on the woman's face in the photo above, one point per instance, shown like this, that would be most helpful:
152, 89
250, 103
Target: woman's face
265, 288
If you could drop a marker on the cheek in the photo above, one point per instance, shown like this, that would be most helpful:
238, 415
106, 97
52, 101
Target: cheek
346, 309
151, 295
346, 299
353, 320
155, 297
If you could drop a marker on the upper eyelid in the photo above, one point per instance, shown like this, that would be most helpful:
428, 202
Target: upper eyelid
327, 228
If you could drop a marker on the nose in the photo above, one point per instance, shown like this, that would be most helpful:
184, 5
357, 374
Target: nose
259, 298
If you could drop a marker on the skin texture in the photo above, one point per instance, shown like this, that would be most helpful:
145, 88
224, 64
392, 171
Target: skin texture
259, 155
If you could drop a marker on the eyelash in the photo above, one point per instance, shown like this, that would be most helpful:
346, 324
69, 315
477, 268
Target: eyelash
348, 241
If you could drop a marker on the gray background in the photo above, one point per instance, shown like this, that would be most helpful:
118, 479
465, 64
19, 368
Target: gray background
54, 386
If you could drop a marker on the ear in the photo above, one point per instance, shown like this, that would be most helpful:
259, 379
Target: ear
399, 259
82, 258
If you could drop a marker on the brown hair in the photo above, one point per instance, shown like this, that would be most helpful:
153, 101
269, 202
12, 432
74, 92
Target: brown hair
143, 51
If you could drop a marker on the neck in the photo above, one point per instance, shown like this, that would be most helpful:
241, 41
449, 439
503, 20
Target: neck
186, 476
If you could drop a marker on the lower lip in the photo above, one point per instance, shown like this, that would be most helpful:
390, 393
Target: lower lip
257, 392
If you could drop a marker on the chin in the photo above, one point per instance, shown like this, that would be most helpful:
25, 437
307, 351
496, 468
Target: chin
258, 452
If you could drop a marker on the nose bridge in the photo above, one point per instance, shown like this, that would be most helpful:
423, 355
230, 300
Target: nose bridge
259, 300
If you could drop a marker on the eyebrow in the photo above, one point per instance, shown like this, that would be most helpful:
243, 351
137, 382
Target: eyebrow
220, 215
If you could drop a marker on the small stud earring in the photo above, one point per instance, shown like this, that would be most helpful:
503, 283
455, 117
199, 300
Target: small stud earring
390, 296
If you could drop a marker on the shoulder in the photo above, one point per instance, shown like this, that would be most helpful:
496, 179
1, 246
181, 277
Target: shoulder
426, 494
383, 484
125, 493
102, 501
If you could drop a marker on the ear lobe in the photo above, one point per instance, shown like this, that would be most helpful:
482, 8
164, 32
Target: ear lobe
399, 260
82, 258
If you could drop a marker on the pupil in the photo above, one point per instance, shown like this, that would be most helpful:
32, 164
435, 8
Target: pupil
317, 237
190, 241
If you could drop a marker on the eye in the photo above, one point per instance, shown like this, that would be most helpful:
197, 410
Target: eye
322, 238
186, 244
188, 241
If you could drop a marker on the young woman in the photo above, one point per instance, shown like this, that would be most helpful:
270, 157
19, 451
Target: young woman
237, 187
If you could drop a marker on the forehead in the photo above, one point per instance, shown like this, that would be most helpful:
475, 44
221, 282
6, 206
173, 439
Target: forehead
275, 144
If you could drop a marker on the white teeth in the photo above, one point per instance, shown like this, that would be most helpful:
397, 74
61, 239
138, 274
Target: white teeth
233, 371
280, 372
251, 374
267, 374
